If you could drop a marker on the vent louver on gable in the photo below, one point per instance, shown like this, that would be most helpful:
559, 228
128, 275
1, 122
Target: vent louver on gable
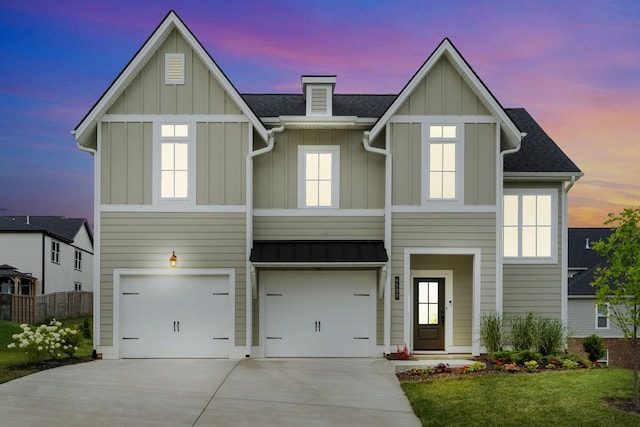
174, 68
318, 92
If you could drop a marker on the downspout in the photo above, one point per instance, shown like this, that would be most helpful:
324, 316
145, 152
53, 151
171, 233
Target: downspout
387, 234
96, 236
43, 262
251, 279
500, 222
565, 251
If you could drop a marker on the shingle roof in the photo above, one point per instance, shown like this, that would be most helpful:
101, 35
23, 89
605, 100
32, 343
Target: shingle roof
318, 251
60, 227
538, 152
582, 257
274, 105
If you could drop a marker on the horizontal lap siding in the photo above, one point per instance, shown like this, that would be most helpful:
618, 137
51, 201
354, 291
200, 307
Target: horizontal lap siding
318, 228
535, 287
582, 320
146, 240
443, 230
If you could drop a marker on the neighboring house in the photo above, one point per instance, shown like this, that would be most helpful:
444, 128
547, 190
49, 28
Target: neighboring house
56, 251
316, 224
585, 316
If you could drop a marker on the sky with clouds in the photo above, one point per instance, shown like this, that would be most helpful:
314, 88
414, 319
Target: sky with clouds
574, 65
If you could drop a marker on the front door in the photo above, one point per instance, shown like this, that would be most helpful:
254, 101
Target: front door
428, 318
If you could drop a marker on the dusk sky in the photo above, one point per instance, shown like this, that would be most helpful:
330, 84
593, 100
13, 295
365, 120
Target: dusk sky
574, 65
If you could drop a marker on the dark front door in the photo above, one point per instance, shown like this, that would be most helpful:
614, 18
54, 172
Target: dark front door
428, 318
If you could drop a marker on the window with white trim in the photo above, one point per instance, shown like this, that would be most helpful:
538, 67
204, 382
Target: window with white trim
77, 260
55, 252
602, 316
443, 165
174, 158
529, 225
318, 176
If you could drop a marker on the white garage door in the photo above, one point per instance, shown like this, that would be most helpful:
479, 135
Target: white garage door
319, 313
175, 316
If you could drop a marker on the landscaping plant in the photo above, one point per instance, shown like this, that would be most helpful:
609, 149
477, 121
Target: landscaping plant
46, 341
594, 347
492, 333
618, 284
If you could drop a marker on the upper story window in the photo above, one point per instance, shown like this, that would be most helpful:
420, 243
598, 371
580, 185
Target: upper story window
77, 260
174, 159
318, 176
55, 252
602, 316
530, 224
443, 166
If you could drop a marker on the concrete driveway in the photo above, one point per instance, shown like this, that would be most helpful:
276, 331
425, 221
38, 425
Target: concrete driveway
189, 392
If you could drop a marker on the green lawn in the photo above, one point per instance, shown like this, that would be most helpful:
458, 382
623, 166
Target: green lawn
565, 398
9, 358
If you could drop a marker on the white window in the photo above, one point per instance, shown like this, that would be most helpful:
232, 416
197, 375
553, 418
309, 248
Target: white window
318, 176
77, 262
174, 159
77, 286
602, 316
174, 68
55, 252
530, 223
443, 164
605, 359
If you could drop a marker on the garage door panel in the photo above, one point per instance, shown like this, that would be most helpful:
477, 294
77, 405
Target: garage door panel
319, 313
175, 316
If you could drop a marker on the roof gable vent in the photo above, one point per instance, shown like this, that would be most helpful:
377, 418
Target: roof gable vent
318, 93
174, 68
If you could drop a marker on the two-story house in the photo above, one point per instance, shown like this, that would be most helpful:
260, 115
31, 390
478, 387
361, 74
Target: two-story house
56, 252
316, 223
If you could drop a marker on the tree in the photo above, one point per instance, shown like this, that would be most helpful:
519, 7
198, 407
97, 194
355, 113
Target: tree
618, 284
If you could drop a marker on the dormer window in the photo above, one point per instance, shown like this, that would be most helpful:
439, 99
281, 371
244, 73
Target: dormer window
318, 93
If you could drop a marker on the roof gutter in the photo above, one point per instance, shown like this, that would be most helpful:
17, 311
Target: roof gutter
251, 283
82, 147
384, 290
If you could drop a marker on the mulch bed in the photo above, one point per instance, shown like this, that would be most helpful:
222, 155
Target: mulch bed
43, 365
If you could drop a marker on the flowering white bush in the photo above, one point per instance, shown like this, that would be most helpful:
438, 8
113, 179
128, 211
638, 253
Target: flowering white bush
46, 341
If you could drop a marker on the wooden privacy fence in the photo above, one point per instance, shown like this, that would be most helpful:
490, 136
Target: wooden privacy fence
61, 305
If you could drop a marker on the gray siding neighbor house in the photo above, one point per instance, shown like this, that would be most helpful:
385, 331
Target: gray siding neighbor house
316, 224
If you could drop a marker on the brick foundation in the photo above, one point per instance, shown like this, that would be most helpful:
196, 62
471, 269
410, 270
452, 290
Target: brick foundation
620, 354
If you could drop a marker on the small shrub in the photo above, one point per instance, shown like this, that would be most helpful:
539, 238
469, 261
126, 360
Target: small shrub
523, 332
570, 364
442, 368
594, 347
505, 356
531, 365
425, 372
499, 366
492, 333
86, 329
551, 335
511, 367
403, 353
46, 341
473, 367
550, 366
524, 355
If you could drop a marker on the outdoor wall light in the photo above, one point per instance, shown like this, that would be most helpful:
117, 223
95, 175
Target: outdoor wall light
173, 261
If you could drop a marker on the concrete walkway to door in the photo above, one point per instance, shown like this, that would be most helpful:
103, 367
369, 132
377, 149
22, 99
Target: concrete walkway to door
207, 392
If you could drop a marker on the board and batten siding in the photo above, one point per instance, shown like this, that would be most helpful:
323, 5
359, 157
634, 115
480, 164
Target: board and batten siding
127, 170
146, 240
318, 228
581, 319
469, 230
480, 159
201, 92
275, 175
535, 287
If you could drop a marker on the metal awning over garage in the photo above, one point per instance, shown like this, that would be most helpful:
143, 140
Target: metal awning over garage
318, 251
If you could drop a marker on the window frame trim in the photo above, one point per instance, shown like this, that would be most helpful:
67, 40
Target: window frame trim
425, 169
77, 260
602, 328
532, 191
55, 259
335, 175
191, 141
